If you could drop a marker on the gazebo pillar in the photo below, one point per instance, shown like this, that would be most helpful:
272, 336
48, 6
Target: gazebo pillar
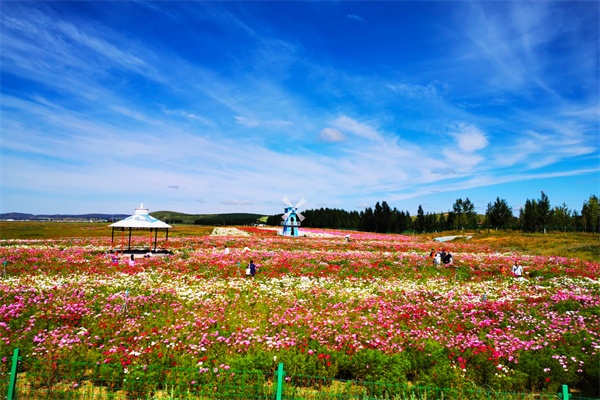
122, 239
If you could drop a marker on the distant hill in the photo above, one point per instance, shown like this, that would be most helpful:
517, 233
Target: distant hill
62, 217
170, 217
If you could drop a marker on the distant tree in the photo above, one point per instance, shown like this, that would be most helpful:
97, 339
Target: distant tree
330, 218
544, 212
457, 218
420, 219
377, 217
527, 216
442, 222
590, 214
470, 214
382, 216
273, 220
402, 221
499, 214
430, 222
367, 220
536, 215
463, 214
562, 218
387, 216
577, 220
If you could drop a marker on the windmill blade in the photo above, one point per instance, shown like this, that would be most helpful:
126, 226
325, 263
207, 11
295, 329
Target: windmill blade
302, 201
300, 216
287, 201
286, 215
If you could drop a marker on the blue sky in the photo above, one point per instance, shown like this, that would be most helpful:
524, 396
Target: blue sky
214, 107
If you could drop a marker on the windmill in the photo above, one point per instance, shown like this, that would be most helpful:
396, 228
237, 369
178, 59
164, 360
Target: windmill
292, 218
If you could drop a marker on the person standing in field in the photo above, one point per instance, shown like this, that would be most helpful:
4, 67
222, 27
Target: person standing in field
251, 270
517, 269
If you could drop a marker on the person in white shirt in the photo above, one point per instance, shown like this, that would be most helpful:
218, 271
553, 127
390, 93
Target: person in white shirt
517, 270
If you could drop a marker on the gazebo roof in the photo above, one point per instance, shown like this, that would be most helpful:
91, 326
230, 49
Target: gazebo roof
141, 220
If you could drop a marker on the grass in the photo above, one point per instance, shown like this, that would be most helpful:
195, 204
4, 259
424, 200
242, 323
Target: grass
584, 246
55, 230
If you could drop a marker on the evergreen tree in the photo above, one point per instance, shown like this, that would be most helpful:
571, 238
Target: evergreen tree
527, 216
469, 213
458, 218
442, 222
429, 222
544, 212
562, 218
367, 220
386, 211
403, 221
420, 219
536, 215
590, 214
463, 214
382, 216
499, 214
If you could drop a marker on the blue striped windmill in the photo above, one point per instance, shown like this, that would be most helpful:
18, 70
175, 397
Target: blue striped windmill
292, 218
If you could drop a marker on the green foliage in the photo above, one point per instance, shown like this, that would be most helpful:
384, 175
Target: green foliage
590, 214
499, 214
371, 365
172, 217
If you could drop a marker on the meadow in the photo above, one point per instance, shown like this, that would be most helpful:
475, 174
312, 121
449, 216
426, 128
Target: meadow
374, 308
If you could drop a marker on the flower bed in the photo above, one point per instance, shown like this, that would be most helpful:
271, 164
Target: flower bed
373, 309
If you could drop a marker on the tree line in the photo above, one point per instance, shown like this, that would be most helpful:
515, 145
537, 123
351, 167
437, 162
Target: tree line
537, 215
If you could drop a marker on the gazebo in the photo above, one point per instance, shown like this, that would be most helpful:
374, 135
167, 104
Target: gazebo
140, 220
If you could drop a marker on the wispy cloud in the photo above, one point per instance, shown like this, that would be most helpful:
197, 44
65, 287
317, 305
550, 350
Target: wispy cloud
412, 91
356, 128
266, 112
355, 17
331, 135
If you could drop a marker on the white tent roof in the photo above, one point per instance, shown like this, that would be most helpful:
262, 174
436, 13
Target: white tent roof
141, 220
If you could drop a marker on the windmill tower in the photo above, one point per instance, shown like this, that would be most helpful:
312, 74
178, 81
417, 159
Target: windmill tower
292, 218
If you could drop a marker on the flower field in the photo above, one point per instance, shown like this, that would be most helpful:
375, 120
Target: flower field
372, 309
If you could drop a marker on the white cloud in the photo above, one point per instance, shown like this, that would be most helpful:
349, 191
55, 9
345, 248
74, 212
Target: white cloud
461, 162
349, 125
469, 138
355, 18
245, 121
190, 115
250, 122
238, 202
413, 91
331, 135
